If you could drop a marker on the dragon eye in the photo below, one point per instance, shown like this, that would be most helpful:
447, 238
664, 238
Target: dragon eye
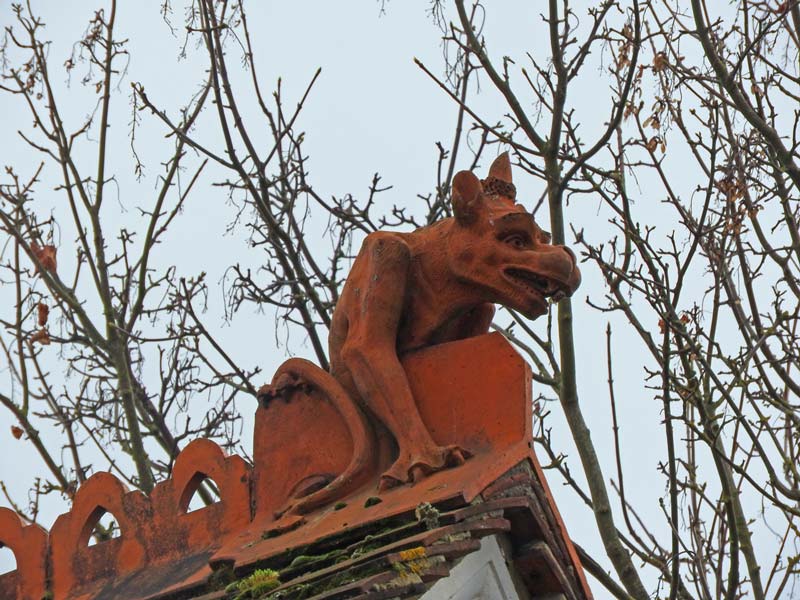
517, 240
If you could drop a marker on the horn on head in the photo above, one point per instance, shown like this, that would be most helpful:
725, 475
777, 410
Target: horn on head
498, 181
501, 168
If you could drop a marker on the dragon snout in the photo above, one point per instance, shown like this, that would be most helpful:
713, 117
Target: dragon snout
573, 281
559, 267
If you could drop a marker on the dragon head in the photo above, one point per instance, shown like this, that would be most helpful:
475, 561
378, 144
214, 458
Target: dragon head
496, 247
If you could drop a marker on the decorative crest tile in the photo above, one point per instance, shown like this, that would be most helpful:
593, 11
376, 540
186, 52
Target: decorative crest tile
423, 425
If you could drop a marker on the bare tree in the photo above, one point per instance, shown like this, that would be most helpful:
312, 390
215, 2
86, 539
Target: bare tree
693, 166
271, 184
116, 305
709, 288
87, 332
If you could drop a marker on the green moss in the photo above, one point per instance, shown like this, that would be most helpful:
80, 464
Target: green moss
307, 559
372, 501
311, 589
339, 505
352, 543
343, 578
260, 582
303, 559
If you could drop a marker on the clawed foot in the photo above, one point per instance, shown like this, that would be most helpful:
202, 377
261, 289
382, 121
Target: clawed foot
414, 468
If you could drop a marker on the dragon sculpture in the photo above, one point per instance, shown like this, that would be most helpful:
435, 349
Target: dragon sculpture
411, 290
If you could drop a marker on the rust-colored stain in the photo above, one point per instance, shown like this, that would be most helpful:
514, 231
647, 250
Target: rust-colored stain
420, 406
153, 530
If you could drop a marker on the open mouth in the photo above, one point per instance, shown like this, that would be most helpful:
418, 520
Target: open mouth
538, 284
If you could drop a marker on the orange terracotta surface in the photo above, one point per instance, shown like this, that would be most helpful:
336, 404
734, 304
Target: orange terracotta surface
474, 393
406, 292
154, 531
420, 405
74, 562
452, 386
29, 545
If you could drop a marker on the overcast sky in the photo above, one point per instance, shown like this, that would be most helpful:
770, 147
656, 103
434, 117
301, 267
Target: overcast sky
372, 111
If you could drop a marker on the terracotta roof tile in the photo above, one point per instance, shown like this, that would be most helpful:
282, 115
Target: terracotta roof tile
370, 544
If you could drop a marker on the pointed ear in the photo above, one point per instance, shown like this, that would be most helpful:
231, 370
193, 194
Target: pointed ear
466, 196
501, 168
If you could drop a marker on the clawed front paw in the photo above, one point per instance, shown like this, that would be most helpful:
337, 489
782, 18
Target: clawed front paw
418, 466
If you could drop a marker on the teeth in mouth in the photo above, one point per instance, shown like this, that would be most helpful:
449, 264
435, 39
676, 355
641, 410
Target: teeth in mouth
541, 285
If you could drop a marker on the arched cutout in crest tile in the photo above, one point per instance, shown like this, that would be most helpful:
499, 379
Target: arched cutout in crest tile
8, 560
101, 526
200, 492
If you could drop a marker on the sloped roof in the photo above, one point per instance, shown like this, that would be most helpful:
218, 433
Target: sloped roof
393, 544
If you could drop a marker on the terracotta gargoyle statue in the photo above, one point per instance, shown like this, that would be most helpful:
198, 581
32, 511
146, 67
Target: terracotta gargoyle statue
411, 290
